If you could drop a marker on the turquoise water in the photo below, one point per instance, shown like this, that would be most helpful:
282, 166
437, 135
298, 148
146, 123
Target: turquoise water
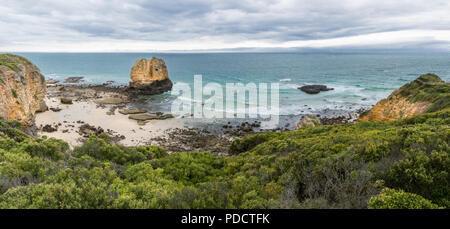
360, 80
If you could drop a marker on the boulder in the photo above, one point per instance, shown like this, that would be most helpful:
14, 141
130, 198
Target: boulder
314, 89
308, 121
428, 93
150, 77
22, 89
132, 111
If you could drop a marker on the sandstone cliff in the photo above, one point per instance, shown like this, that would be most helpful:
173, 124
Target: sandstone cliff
150, 77
428, 93
22, 89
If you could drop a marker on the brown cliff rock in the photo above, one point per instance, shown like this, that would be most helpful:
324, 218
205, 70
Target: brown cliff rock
150, 77
22, 89
428, 93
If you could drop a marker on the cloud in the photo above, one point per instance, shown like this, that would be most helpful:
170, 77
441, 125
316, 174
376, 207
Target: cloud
158, 25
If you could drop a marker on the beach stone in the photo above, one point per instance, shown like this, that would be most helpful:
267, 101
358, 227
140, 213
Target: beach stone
52, 82
74, 79
57, 109
87, 130
49, 129
142, 123
42, 107
132, 111
66, 101
314, 89
150, 77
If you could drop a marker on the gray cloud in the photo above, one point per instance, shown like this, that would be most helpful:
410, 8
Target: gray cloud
30, 22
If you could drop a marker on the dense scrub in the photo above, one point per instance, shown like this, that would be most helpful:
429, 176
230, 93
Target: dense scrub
342, 166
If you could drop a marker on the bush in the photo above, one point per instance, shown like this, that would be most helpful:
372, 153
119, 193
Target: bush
398, 199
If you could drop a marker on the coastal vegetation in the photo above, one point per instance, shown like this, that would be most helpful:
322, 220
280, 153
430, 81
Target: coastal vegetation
400, 164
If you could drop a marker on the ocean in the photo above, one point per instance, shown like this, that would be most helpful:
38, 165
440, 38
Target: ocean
359, 80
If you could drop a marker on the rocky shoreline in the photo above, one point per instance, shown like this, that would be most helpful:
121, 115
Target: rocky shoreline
77, 111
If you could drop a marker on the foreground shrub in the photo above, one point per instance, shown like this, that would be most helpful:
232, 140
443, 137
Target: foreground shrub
398, 199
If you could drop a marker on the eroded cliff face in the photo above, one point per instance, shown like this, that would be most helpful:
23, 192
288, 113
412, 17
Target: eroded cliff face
150, 76
22, 89
427, 93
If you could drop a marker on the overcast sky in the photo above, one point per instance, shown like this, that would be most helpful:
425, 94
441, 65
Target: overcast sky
189, 25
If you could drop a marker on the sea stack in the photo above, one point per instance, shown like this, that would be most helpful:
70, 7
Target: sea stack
22, 89
150, 77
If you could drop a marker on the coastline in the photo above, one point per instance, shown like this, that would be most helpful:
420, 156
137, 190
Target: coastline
95, 109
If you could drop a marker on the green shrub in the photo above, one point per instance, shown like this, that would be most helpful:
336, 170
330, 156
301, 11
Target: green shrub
398, 199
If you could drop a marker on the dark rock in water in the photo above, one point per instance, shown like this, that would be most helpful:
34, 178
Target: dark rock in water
74, 79
153, 88
150, 77
49, 129
66, 101
314, 89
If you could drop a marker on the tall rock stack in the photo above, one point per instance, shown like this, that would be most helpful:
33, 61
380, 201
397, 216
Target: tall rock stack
22, 89
150, 77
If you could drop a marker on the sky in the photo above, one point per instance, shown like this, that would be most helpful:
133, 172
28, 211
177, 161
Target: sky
223, 25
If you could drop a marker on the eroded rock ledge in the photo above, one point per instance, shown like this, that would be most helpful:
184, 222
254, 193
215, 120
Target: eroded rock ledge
428, 93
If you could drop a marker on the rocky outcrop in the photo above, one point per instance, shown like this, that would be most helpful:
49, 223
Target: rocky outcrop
22, 89
308, 121
314, 89
428, 93
150, 77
